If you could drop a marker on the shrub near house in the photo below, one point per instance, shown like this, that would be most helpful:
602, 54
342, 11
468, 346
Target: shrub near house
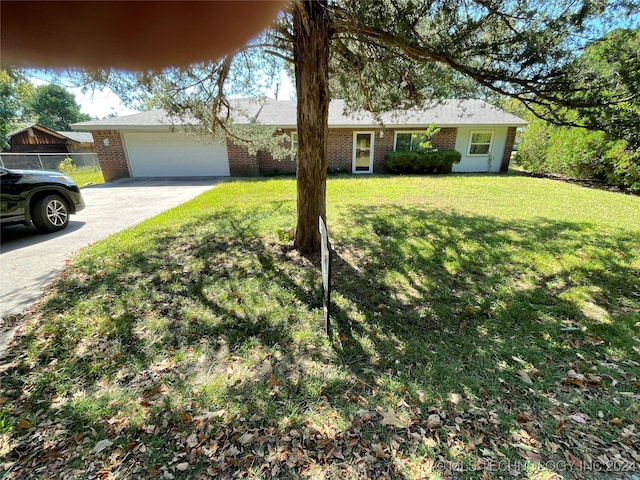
422, 162
415, 154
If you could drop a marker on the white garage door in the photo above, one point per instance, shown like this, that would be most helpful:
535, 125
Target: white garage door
172, 154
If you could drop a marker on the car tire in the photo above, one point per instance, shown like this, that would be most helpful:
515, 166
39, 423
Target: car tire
50, 214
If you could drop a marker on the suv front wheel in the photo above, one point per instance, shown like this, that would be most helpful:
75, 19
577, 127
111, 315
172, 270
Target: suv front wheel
50, 214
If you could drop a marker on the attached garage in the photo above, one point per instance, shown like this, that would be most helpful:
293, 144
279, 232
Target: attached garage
174, 154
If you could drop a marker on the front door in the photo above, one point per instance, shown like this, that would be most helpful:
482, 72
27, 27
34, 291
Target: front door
363, 152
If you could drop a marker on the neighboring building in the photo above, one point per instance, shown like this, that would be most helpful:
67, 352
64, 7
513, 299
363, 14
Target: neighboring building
33, 146
34, 138
149, 144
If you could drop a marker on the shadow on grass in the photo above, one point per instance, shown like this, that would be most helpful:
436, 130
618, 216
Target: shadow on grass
209, 315
465, 290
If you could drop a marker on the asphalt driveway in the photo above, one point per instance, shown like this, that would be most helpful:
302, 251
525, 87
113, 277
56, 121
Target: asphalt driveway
29, 260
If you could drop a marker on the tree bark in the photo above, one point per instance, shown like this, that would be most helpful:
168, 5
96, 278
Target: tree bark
311, 58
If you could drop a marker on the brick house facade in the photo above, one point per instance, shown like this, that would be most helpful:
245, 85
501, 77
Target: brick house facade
339, 152
157, 145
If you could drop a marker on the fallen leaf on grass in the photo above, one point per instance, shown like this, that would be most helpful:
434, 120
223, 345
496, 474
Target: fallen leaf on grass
378, 450
163, 366
390, 418
485, 452
101, 445
529, 455
24, 423
246, 438
434, 421
524, 376
232, 451
519, 360
552, 447
573, 459
524, 417
273, 381
574, 381
578, 419
192, 440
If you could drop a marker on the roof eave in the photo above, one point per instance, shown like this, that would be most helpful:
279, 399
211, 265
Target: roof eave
425, 125
88, 128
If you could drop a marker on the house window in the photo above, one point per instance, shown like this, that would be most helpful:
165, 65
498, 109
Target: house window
294, 141
480, 143
409, 141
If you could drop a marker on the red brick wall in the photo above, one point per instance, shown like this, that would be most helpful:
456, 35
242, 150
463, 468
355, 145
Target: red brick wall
113, 161
241, 163
339, 152
508, 147
269, 166
445, 139
380, 147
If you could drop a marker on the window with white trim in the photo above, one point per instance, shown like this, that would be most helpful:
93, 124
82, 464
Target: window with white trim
409, 141
294, 141
480, 143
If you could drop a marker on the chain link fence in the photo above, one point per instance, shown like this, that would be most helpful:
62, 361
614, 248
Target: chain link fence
48, 161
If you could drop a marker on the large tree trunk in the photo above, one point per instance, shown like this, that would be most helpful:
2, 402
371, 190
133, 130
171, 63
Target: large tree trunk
311, 55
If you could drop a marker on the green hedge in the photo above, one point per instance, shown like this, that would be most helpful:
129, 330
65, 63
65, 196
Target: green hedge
437, 161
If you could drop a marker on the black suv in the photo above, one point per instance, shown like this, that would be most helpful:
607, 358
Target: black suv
43, 198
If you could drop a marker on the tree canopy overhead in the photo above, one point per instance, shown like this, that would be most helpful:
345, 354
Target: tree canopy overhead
392, 54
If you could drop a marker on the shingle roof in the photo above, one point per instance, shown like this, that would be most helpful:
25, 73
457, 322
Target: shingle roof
26, 126
20, 128
282, 113
80, 137
150, 118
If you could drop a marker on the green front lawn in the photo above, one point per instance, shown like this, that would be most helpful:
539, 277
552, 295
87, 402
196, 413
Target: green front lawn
482, 324
84, 177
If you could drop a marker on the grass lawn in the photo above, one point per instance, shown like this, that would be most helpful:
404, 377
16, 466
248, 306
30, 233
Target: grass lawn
84, 177
484, 326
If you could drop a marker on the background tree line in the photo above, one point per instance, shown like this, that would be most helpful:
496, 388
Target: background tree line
601, 142
579, 153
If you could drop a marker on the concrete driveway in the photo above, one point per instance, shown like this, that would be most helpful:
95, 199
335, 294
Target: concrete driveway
29, 260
